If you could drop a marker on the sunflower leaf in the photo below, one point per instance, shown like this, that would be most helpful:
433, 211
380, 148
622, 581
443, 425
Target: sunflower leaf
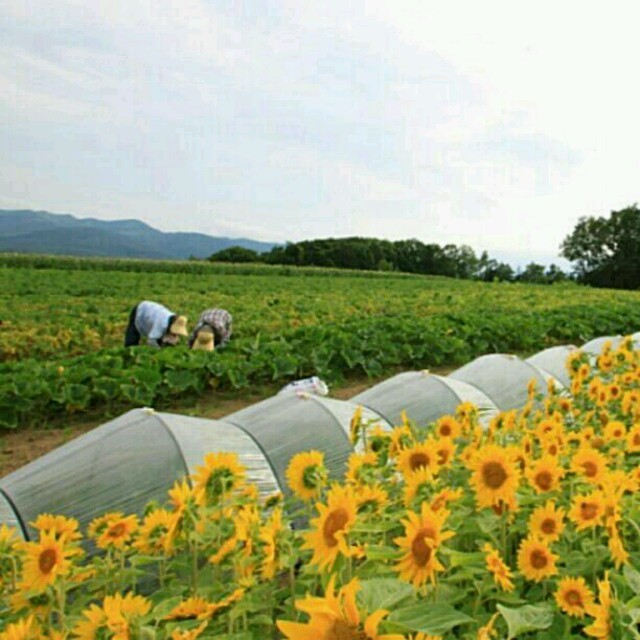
383, 593
527, 618
435, 619
633, 578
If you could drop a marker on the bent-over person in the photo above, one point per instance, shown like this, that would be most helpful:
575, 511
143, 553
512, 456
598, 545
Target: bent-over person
156, 324
213, 328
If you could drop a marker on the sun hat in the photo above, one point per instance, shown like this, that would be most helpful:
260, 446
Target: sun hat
204, 339
179, 326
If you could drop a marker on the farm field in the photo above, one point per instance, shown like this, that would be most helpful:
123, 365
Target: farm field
60, 354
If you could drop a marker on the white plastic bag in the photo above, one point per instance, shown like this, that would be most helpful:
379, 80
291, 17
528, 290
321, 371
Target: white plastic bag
307, 385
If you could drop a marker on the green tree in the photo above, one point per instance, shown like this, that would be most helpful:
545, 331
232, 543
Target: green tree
606, 251
235, 254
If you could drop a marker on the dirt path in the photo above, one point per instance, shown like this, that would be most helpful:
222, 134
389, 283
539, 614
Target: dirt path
19, 447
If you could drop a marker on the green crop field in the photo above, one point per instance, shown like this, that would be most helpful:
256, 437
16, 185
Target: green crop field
63, 321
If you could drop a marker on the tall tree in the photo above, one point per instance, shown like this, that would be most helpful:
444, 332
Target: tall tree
606, 250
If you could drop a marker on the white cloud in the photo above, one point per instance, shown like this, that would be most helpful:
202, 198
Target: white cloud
495, 124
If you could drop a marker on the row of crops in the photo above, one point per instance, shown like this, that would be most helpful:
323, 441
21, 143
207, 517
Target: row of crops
523, 528
62, 328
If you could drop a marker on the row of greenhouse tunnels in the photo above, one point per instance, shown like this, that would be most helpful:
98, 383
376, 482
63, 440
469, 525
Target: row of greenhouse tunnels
137, 457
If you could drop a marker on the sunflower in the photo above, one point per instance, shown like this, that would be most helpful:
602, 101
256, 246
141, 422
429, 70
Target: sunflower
189, 634
601, 626
495, 476
401, 438
633, 439
498, 569
269, 535
8, 538
587, 511
448, 427
361, 467
614, 430
573, 596
190, 609
327, 538
153, 535
630, 401
420, 454
418, 485
306, 474
98, 525
545, 474
590, 464
371, 498
59, 526
423, 536
616, 549
44, 562
335, 617
535, 560
24, 629
445, 451
487, 631
355, 425
546, 522
118, 532
220, 475
441, 499
113, 619
379, 441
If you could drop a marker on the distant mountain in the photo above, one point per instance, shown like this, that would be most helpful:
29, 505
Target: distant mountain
27, 231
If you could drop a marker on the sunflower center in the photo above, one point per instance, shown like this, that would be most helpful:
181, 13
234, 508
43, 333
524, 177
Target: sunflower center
544, 480
539, 559
443, 456
588, 510
343, 630
573, 598
420, 549
494, 475
548, 526
418, 460
553, 449
445, 430
590, 468
335, 522
47, 560
117, 531
636, 439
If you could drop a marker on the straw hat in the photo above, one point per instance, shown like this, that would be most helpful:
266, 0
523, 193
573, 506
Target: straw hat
204, 339
179, 326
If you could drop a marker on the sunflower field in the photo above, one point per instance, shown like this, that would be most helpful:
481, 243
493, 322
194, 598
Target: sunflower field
526, 529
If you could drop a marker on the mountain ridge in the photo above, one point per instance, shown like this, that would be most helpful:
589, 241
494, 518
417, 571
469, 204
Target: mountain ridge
30, 231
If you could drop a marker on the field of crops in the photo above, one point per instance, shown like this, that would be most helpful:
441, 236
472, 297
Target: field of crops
63, 321
527, 529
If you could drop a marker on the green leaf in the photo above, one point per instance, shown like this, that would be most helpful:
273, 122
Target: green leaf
633, 578
383, 593
527, 618
433, 619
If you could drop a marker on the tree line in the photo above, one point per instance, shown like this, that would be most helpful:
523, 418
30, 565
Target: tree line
409, 256
604, 252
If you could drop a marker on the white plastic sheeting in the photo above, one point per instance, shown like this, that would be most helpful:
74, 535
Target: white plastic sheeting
554, 361
425, 397
504, 379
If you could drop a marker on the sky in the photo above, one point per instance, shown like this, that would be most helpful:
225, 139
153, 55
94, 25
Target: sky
494, 124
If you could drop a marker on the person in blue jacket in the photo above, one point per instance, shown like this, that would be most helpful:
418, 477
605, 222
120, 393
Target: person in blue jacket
154, 323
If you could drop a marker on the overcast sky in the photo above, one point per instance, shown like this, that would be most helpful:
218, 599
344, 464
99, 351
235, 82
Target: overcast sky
493, 124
